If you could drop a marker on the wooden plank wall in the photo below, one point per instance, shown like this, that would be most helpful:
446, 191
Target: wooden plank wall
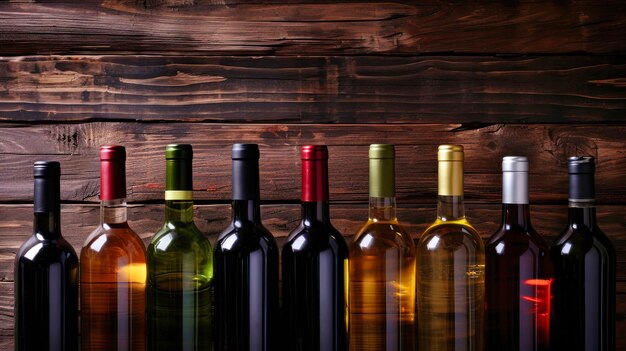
545, 79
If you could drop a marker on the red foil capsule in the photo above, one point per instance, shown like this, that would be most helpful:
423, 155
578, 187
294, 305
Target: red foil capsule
112, 172
314, 173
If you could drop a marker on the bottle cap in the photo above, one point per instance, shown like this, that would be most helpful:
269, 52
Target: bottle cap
450, 153
450, 173
178, 172
515, 180
581, 171
245, 172
112, 172
314, 152
178, 151
382, 170
314, 173
47, 186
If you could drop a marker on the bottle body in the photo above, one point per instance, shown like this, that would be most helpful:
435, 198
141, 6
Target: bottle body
450, 287
518, 273
246, 263
315, 267
112, 289
518, 286
180, 267
382, 267
113, 268
315, 279
584, 291
180, 287
382, 288
46, 275
584, 271
450, 268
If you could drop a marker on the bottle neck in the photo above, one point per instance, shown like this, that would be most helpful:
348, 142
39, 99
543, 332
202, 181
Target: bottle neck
582, 214
47, 225
246, 211
113, 211
450, 208
179, 211
315, 212
516, 216
382, 209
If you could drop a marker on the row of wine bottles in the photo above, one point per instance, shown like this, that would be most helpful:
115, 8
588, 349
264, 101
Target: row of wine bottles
384, 291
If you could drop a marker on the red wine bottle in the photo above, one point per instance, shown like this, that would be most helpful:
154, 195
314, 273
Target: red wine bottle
584, 265
315, 267
518, 271
246, 265
46, 274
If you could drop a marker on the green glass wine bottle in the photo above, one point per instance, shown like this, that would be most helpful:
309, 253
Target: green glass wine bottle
180, 267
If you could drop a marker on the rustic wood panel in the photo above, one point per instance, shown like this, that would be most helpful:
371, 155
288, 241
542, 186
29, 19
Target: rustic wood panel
79, 220
205, 27
354, 89
76, 146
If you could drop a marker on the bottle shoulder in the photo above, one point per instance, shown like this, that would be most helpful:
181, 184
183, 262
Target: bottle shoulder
450, 235
246, 238
318, 237
581, 241
517, 239
377, 236
118, 240
179, 239
46, 251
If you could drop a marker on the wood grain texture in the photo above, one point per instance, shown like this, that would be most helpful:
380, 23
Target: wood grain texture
77, 145
353, 89
79, 220
210, 27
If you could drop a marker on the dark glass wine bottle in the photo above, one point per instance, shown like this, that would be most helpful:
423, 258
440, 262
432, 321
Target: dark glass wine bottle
518, 271
315, 267
382, 267
246, 265
46, 274
180, 267
113, 268
584, 266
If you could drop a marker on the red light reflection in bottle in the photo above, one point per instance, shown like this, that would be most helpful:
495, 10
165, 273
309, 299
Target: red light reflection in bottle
541, 307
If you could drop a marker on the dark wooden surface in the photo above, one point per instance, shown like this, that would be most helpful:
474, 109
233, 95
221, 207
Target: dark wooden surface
346, 89
278, 28
545, 79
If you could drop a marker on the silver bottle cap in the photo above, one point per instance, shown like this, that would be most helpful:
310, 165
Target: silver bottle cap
515, 180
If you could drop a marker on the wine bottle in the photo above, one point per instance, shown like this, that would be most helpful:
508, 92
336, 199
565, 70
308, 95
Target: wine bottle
180, 266
584, 271
382, 267
450, 268
518, 272
46, 274
113, 268
246, 264
315, 267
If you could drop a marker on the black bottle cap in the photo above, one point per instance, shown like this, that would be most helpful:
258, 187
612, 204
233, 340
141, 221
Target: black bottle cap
581, 171
245, 172
47, 193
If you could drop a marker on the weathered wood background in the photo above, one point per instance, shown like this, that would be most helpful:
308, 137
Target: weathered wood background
546, 79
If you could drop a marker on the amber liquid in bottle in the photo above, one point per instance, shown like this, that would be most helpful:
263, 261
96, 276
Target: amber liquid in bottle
113, 276
382, 268
450, 269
